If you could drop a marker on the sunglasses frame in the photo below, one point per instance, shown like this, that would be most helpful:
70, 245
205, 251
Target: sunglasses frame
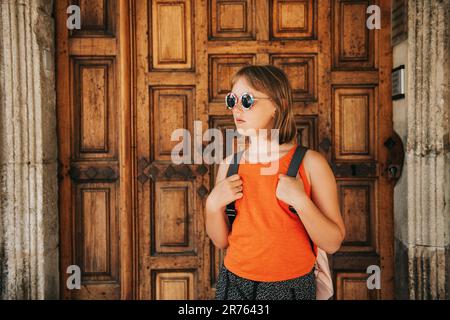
240, 99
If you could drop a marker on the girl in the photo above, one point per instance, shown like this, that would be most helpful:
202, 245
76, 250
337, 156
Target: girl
269, 255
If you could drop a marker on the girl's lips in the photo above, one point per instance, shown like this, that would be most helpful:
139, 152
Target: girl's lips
240, 120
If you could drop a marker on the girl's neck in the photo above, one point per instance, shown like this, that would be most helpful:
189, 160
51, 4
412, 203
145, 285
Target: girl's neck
266, 149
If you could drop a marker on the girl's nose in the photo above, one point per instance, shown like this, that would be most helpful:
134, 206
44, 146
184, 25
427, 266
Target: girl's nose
238, 108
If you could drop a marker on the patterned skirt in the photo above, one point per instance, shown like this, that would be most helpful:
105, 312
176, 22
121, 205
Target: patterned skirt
233, 287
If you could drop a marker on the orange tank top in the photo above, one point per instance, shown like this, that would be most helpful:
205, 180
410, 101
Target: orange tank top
267, 242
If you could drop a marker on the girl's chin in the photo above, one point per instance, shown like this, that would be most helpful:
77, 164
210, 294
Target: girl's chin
245, 131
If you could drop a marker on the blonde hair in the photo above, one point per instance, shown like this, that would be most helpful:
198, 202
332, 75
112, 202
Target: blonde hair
274, 83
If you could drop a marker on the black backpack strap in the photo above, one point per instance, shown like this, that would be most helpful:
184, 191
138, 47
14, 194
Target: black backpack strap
294, 167
233, 169
296, 161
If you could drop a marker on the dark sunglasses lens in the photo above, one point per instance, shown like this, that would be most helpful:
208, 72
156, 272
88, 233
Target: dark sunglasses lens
230, 101
247, 101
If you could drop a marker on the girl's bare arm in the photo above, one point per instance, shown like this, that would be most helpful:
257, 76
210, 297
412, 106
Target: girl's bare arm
321, 214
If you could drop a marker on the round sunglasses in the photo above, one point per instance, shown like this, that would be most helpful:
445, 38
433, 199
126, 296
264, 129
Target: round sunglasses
247, 100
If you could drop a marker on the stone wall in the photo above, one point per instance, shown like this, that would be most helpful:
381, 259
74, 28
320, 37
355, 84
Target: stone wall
28, 152
422, 195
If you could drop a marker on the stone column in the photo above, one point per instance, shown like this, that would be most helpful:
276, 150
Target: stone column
423, 221
28, 152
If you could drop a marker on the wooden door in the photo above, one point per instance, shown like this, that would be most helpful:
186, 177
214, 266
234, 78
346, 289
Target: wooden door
95, 177
171, 63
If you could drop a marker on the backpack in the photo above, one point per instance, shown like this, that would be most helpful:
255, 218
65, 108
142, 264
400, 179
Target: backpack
324, 283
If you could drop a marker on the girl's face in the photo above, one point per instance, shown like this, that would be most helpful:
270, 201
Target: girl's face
259, 116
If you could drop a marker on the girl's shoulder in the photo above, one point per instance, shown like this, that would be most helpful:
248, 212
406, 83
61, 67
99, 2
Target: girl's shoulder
313, 162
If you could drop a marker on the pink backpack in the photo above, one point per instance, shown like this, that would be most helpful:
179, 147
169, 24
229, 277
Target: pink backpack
324, 283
